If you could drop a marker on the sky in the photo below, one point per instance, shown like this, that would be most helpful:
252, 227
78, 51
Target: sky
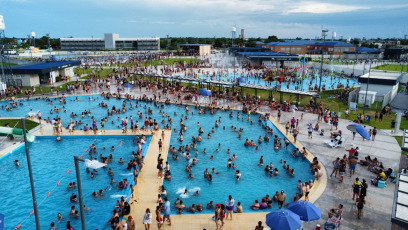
206, 18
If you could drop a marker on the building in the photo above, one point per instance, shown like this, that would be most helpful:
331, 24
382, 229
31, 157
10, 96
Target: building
399, 217
363, 53
384, 84
309, 47
196, 49
330, 47
39, 73
110, 42
396, 53
276, 59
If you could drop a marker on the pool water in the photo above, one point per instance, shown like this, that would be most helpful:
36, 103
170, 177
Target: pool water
254, 184
328, 81
50, 162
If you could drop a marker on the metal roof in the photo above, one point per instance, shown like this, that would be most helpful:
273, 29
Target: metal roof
43, 67
364, 50
400, 205
298, 92
264, 54
404, 144
194, 44
219, 82
257, 87
306, 42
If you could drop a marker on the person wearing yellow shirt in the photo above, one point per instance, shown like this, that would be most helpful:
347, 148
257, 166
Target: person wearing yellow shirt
382, 175
356, 188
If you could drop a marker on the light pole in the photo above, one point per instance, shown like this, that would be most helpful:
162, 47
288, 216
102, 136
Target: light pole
324, 34
37, 219
89, 164
368, 82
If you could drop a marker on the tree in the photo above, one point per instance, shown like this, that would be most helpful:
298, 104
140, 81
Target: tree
272, 38
298, 38
356, 41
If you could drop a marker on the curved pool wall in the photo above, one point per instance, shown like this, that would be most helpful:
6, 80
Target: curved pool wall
50, 162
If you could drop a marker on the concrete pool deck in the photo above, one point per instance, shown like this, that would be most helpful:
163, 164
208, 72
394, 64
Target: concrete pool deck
377, 210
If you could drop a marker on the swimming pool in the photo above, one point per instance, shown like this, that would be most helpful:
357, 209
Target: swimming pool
254, 183
50, 162
328, 81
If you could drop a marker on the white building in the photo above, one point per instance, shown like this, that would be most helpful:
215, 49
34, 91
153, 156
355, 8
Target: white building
110, 42
384, 84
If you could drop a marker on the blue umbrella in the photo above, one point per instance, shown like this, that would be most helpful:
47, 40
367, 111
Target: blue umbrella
283, 220
128, 85
306, 210
360, 130
204, 92
241, 80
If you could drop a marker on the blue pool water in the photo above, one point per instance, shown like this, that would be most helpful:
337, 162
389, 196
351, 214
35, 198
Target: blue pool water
253, 185
329, 82
50, 162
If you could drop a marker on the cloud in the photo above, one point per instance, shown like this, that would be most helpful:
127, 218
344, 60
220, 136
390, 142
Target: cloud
323, 8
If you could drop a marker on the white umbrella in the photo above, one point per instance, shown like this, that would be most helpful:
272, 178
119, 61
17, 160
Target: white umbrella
94, 164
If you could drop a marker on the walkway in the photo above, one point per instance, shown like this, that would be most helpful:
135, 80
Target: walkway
146, 191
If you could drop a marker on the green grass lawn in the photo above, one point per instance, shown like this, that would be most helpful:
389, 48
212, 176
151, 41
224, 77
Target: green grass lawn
334, 62
47, 89
399, 139
6, 64
390, 67
17, 123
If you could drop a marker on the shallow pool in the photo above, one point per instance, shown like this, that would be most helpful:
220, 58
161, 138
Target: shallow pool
50, 162
328, 81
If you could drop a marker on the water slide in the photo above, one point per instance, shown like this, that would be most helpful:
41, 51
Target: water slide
14, 132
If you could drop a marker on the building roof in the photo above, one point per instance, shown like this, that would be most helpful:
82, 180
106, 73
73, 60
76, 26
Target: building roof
306, 42
82, 39
380, 78
400, 205
43, 67
264, 54
194, 44
364, 50
335, 43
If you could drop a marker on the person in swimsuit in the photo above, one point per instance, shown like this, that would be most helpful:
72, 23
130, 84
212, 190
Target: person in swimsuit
230, 206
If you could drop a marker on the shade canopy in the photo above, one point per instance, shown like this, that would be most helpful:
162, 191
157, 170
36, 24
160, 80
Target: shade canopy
360, 130
205, 92
283, 220
306, 210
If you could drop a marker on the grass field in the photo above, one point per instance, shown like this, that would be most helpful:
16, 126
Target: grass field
399, 139
169, 61
16, 123
389, 67
6, 64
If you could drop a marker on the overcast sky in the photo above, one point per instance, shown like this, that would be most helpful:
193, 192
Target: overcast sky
205, 18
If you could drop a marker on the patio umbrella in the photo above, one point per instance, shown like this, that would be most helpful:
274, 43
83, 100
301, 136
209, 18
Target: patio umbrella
306, 210
241, 80
127, 85
204, 92
94, 164
283, 220
360, 130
